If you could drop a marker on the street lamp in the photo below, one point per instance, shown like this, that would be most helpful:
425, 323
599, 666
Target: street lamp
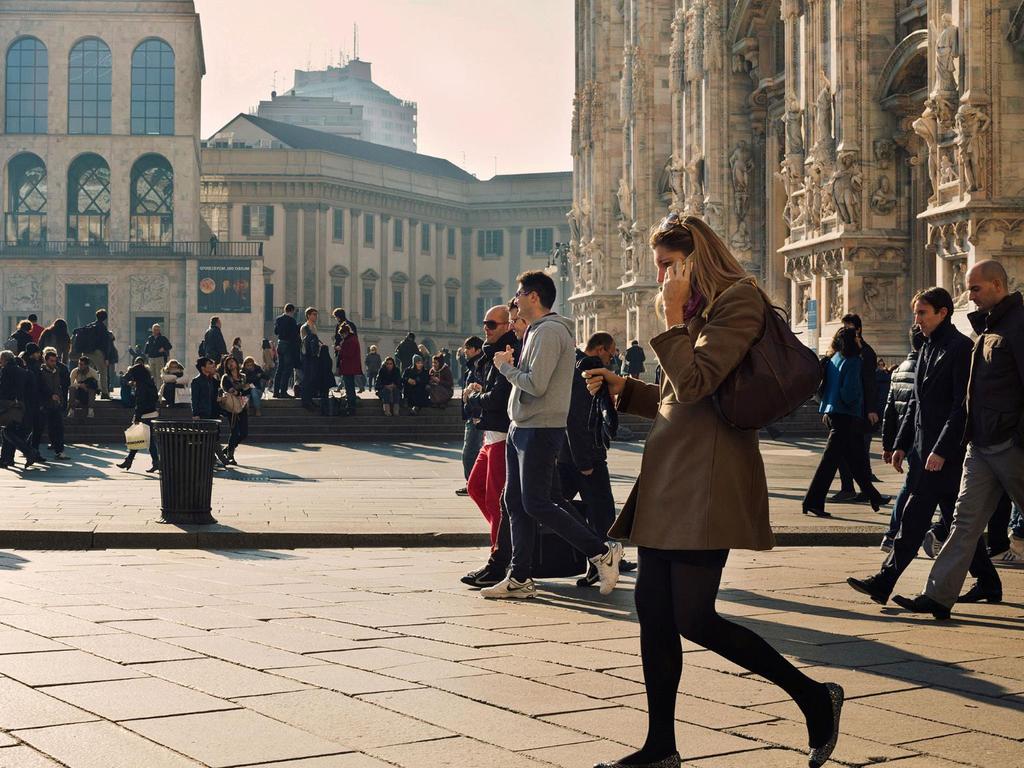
558, 264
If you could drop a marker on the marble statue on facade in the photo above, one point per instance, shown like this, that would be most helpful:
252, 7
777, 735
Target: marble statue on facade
573, 217
624, 199
846, 183
741, 162
823, 119
793, 120
947, 173
971, 123
959, 283
927, 127
883, 199
947, 49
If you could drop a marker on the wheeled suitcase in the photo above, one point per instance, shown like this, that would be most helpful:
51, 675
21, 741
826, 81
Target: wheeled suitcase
555, 558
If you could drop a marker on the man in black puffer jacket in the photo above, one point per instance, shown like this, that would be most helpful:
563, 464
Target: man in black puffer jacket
901, 389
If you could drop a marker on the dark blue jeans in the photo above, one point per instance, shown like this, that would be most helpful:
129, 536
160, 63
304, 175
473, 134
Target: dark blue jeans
530, 454
287, 360
472, 441
596, 491
913, 468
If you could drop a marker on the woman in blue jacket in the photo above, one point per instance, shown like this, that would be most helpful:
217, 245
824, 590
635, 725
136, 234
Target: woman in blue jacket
842, 405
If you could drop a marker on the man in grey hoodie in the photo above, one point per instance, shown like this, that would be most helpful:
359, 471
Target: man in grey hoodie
538, 408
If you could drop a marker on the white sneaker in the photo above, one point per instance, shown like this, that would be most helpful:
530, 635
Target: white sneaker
931, 546
510, 588
608, 567
1014, 555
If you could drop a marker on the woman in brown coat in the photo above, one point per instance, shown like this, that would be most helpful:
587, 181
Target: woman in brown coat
701, 490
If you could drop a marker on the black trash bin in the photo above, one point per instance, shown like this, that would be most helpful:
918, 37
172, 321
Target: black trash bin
186, 468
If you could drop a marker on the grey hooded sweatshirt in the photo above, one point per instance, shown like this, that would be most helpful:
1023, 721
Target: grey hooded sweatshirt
542, 382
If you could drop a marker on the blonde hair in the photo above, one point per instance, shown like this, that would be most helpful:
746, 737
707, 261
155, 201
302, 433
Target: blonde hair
714, 269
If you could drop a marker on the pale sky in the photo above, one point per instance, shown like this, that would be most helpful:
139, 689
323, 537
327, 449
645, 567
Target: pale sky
490, 77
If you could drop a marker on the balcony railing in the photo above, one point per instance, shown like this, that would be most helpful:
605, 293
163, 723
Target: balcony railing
125, 249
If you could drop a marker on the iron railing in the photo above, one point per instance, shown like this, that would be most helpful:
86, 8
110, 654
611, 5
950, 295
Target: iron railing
125, 249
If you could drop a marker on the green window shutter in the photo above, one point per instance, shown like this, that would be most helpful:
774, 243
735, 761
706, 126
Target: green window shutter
501, 242
246, 217
481, 243
270, 220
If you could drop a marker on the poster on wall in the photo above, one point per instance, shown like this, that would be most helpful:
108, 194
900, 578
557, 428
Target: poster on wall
224, 286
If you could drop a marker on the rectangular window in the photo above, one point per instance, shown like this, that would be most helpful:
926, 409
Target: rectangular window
268, 302
338, 295
397, 302
367, 301
539, 242
338, 224
398, 235
424, 307
483, 303
369, 227
257, 220
451, 318
424, 238
451, 242
490, 243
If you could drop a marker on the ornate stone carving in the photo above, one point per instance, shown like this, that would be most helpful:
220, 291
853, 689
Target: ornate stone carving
824, 141
834, 297
789, 9
573, 217
885, 151
677, 53
639, 78
713, 35
971, 123
671, 184
947, 49
24, 292
883, 199
695, 182
846, 183
799, 268
927, 127
793, 120
741, 162
803, 302
740, 240
881, 297
624, 200
149, 292
958, 283
947, 171
694, 40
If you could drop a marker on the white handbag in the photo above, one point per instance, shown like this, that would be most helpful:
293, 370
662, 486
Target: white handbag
136, 437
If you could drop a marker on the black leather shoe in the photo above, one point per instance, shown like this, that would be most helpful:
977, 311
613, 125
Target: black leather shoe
840, 496
626, 566
979, 594
485, 577
816, 512
922, 604
871, 588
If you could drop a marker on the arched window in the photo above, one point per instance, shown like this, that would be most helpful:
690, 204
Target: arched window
152, 200
27, 83
89, 77
88, 199
26, 199
153, 89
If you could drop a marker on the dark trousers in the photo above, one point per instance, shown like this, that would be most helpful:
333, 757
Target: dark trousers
54, 418
472, 441
928, 490
239, 423
846, 476
310, 380
34, 422
286, 364
999, 526
902, 496
13, 437
530, 466
596, 491
154, 453
350, 393
844, 442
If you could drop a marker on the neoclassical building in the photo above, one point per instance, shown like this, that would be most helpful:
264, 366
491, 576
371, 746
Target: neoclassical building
402, 241
850, 153
100, 152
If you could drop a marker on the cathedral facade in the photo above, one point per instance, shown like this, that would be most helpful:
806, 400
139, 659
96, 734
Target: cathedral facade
849, 153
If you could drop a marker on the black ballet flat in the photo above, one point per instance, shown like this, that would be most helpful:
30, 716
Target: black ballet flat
816, 512
818, 756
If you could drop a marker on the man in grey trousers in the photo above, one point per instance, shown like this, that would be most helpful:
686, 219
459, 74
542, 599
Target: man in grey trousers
995, 432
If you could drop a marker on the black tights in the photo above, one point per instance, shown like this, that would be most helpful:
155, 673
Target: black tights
678, 598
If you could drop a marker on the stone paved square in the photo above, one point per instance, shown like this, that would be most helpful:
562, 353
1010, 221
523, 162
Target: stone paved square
388, 675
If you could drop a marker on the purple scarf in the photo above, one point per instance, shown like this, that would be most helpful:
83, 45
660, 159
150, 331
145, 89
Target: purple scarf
694, 305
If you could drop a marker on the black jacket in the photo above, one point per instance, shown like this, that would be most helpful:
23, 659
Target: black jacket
146, 399
56, 383
213, 343
491, 404
869, 362
286, 328
579, 448
33, 387
157, 346
937, 411
635, 358
386, 377
22, 338
901, 388
995, 399
12, 382
405, 352
204, 397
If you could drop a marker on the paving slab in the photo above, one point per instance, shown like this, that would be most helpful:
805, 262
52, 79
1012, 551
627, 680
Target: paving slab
101, 745
136, 699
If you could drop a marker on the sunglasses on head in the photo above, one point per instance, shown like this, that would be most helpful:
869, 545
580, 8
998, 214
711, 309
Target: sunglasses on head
672, 221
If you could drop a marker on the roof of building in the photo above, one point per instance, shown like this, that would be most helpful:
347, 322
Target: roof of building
297, 137
532, 176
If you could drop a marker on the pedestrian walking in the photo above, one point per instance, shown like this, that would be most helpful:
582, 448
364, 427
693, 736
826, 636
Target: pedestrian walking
994, 460
94, 341
869, 412
35, 421
635, 358
538, 407
147, 408
701, 490
288, 359
235, 404
157, 351
55, 379
213, 342
371, 365
415, 383
842, 405
472, 438
13, 381
933, 428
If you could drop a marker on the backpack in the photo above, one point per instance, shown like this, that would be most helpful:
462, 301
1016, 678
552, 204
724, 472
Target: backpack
778, 375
